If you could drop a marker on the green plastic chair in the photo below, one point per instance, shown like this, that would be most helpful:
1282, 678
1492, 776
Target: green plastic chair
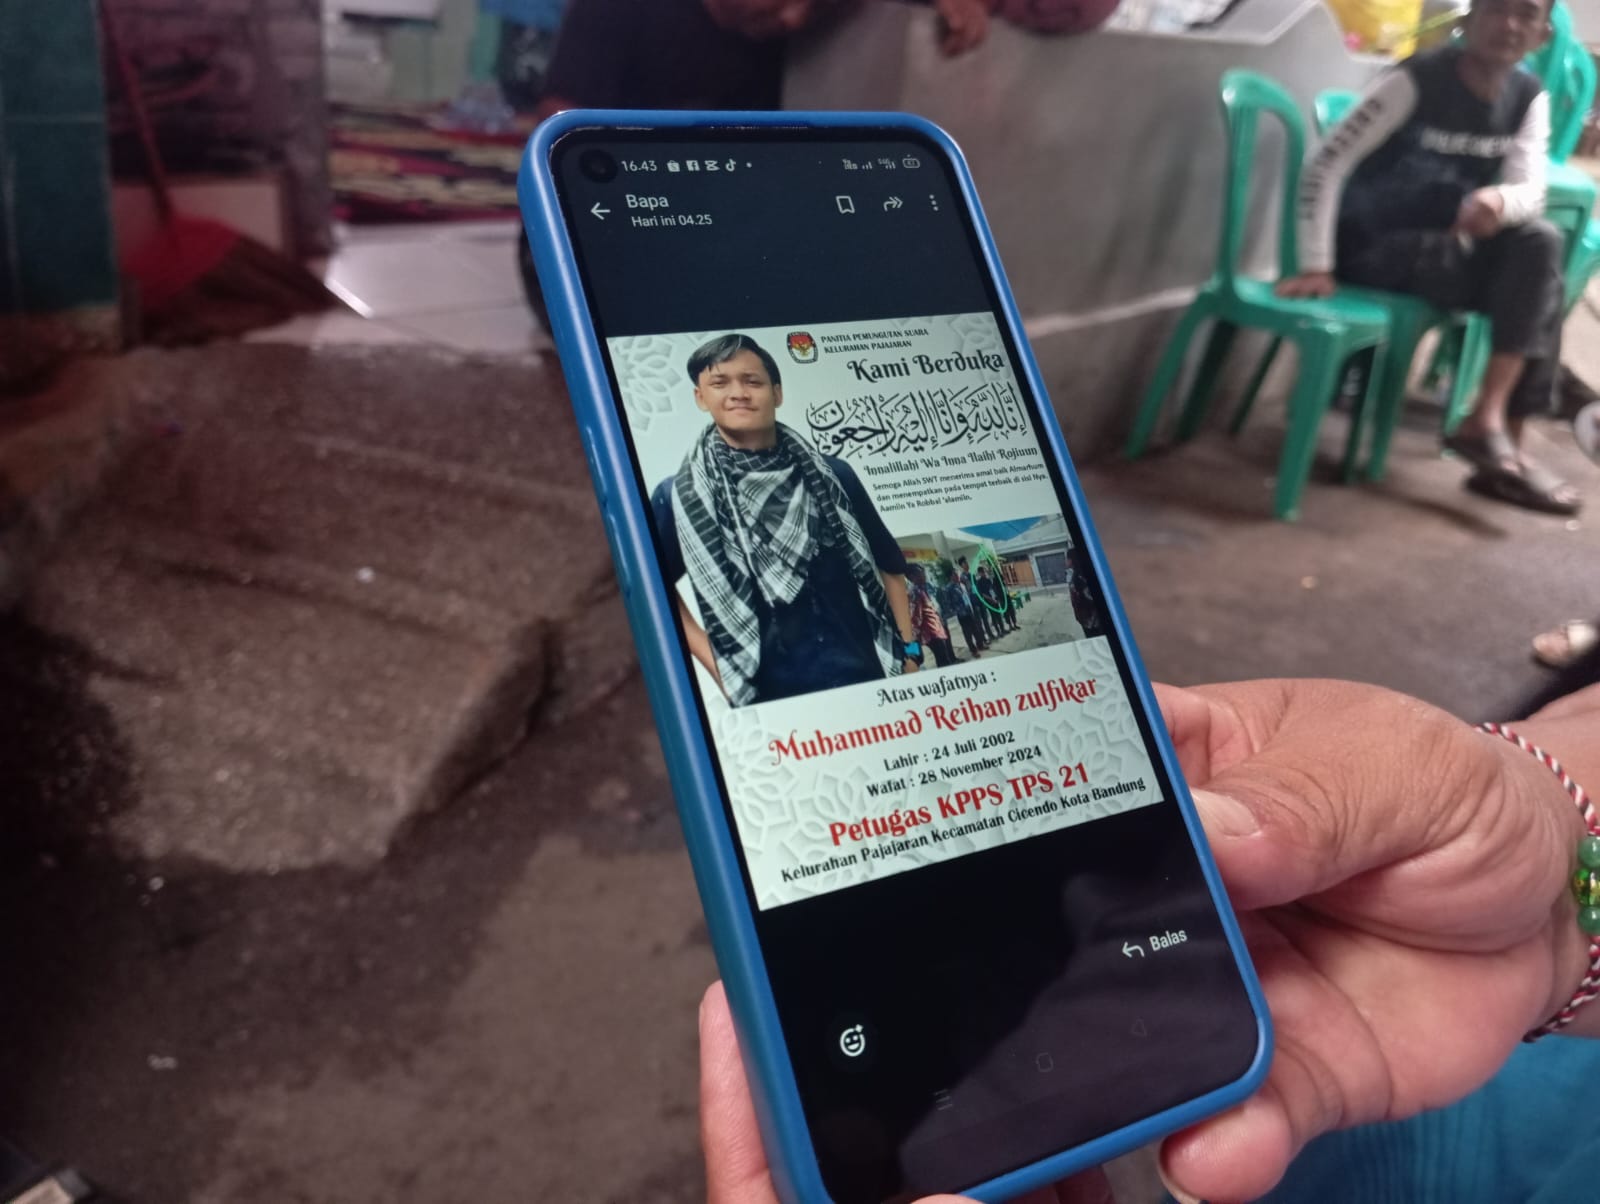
1571, 86
1326, 331
1567, 69
1588, 263
1570, 198
1466, 341
1330, 107
1544, 59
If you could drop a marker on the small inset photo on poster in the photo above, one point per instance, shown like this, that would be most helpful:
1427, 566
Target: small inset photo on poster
997, 588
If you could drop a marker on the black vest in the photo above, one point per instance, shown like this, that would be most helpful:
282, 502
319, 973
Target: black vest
1452, 144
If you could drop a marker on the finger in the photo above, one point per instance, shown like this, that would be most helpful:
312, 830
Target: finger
1236, 1156
1086, 1187
1316, 805
736, 1164
1206, 733
979, 29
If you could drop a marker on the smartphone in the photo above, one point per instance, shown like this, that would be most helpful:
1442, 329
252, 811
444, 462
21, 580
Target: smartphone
971, 934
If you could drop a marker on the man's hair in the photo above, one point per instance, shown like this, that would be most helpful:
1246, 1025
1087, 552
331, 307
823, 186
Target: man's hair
722, 349
915, 572
963, 560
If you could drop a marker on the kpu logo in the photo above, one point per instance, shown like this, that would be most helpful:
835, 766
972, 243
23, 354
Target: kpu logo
802, 347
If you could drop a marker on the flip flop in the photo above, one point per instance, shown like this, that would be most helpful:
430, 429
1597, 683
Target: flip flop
1533, 488
1565, 644
1491, 452
1586, 429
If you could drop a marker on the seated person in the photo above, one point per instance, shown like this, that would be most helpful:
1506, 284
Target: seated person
800, 585
1442, 171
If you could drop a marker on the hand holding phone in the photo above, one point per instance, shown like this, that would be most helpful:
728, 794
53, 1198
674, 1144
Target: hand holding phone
1470, 861
736, 1164
970, 934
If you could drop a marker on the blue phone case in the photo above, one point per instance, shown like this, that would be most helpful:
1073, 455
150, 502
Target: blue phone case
671, 689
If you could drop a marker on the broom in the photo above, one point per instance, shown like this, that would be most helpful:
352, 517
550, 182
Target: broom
199, 279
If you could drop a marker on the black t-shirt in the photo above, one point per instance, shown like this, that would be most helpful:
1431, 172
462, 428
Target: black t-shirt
660, 54
823, 639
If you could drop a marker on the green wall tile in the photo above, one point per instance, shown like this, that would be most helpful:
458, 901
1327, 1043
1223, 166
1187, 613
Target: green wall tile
62, 218
49, 59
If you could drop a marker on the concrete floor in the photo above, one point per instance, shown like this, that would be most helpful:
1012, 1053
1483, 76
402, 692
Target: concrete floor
504, 1006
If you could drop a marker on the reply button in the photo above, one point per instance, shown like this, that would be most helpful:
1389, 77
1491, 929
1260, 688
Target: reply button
1155, 943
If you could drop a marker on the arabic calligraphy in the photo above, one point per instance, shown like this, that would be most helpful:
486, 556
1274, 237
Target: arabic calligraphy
915, 421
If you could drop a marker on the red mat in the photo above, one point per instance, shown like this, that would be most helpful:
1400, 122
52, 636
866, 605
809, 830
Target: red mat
401, 164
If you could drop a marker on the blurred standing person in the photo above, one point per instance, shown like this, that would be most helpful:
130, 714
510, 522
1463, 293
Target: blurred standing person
1084, 607
994, 595
666, 54
926, 621
956, 601
674, 54
987, 619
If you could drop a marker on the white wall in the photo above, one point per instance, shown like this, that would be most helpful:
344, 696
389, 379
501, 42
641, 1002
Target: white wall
1100, 163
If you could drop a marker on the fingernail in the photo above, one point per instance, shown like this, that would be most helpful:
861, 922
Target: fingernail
1177, 1193
1223, 815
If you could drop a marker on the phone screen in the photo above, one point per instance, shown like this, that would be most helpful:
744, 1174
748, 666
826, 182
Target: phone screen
984, 923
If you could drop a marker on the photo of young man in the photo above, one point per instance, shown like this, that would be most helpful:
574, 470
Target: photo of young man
799, 584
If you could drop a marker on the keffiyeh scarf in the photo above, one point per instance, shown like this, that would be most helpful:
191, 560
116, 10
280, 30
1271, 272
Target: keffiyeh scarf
749, 524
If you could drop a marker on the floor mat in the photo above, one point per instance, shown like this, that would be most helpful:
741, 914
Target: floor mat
397, 163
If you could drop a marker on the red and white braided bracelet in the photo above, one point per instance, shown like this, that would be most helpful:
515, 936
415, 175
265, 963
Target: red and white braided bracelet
1585, 881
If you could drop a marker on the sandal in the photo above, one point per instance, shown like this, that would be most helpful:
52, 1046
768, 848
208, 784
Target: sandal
1564, 645
1532, 486
1493, 452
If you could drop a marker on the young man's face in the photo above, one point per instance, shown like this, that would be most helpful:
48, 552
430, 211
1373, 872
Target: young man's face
740, 396
1504, 32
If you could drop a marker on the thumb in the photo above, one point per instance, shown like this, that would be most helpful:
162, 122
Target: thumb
1303, 815
736, 1164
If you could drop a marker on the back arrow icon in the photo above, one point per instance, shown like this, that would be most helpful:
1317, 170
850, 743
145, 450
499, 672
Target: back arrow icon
1129, 950
599, 211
